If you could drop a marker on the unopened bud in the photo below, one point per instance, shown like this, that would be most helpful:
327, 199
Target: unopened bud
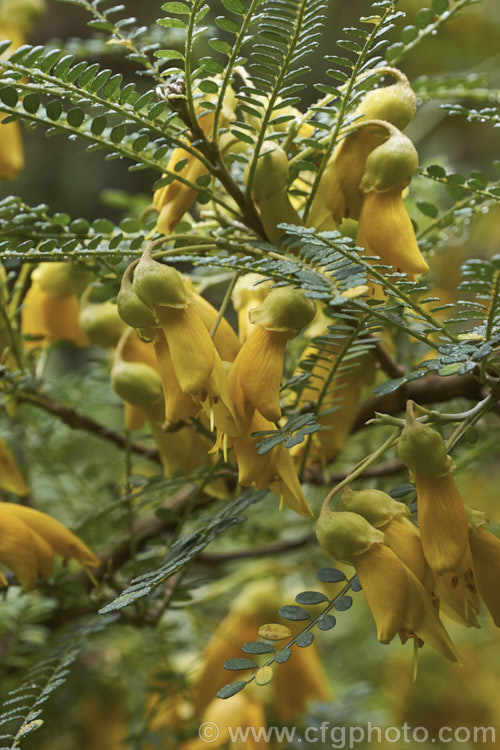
396, 103
158, 284
271, 171
390, 165
101, 323
61, 279
284, 309
376, 506
130, 308
136, 383
343, 534
422, 449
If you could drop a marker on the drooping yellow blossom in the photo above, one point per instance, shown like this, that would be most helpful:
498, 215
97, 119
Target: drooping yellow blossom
241, 711
29, 541
255, 377
173, 200
11, 479
16, 19
339, 193
385, 229
269, 191
398, 601
294, 683
343, 384
442, 517
274, 469
392, 518
195, 360
250, 291
485, 550
46, 318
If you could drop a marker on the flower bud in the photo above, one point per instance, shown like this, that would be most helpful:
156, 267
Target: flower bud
343, 534
284, 309
422, 449
61, 279
390, 165
271, 171
130, 308
377, 507
101, 323
396, 103
158, 284
136, 383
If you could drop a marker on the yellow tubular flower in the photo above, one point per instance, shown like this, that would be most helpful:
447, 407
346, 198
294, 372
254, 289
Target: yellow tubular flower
241, 710
11, 479
247, 294
48, 318
485, 548
397, 600
29, 540
255, 377
196, 362
11, 144
294, 683
385, 229
273, 469
340, 404
178, 406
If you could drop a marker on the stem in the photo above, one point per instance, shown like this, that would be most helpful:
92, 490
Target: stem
225, 302
361, 467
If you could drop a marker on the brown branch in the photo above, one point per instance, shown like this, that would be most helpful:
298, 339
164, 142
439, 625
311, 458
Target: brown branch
429, 390
78, 421
315, 475
386, 362
246, 554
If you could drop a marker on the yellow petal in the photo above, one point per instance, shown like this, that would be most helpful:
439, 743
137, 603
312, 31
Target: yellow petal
421, 619
11, 149
384, 581
178, 406
191, 348
385, 229
135, 417
296, 682
403, 538
173, 200
11, 479
259, 368
443, 522
18, 548
61, 539
225, 339
485, 548
218, 404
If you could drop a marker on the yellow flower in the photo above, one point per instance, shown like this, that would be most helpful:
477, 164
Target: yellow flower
339, 408
485, 549
241, 711
48, 318
273, 469
385, 229
11, 479
294, 683
255, 377
29, 541
250, 291
398, 601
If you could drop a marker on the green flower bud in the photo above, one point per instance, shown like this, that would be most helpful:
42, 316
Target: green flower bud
101, 323
130, 308
61, 279
377, 507
343, 534
396, 103
390, 165
271, 172
136, 383
284, 309
158, 284
422, 449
